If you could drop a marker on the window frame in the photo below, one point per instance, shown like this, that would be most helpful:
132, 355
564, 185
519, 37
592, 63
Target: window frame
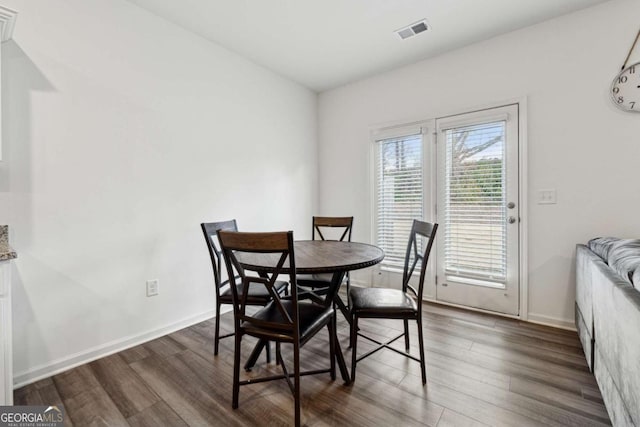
399, 131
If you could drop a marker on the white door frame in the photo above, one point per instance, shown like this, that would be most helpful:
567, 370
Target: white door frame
523, 196
523, 191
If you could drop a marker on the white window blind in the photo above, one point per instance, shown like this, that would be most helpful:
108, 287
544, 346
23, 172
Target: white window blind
399, 194
474, 211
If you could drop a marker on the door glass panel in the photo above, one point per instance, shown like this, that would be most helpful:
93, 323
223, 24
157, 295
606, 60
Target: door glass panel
475, 246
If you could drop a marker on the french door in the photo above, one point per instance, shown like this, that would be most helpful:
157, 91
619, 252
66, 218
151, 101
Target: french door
478, 210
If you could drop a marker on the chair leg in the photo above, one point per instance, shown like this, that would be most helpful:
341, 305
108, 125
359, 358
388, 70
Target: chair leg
421, 343
236, 370
267, 349
350, 319
296, 370
406, 334
216, 339
348, 291
332, 345
278, 353
354, 350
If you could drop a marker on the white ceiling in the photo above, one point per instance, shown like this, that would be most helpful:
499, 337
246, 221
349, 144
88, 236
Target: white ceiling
327, 43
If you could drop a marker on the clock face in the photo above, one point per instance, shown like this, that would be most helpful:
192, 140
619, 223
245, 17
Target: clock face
625, 89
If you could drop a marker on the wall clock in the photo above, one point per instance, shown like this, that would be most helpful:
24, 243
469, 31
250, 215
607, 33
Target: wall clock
625, 88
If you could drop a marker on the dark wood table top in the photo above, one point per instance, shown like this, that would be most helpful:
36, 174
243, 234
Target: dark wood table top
318, 256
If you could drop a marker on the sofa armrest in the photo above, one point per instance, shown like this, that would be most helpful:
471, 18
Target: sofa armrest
616, 314
586, 262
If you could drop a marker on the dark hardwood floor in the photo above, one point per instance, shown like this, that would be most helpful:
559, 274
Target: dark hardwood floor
481, 370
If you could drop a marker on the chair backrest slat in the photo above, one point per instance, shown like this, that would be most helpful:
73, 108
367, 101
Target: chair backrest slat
320, 222
257, 242
279, 243
419, 229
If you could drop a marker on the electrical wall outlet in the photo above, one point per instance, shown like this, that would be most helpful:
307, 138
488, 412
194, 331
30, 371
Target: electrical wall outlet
547, 197
153, 287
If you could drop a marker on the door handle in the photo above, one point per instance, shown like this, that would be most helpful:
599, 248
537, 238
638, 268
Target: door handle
512, 219
511, 205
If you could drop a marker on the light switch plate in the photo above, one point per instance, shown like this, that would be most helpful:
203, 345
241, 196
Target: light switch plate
547, 197
153, 287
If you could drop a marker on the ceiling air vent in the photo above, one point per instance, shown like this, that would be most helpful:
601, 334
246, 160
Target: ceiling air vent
413, 29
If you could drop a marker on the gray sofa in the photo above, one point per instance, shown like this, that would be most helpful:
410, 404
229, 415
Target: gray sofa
608, 322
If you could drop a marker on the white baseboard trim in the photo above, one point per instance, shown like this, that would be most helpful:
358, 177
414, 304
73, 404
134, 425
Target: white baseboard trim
464, 307
360, 284
69, 362
539, 319
555, 322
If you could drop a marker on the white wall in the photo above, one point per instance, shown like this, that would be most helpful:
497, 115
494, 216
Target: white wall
122, 132
578, 142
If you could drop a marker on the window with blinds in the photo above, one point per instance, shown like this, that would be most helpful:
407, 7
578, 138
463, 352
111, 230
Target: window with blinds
475, 244
399, 194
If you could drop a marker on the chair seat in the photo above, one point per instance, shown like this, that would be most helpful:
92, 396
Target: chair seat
381, 302
312, 317
258, 293
314, 280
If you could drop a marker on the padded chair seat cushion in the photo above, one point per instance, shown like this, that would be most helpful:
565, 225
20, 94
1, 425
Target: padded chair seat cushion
258, 293
381, 302
314, 280
312, 317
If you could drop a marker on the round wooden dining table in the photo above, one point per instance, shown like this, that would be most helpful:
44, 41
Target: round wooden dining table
317, 257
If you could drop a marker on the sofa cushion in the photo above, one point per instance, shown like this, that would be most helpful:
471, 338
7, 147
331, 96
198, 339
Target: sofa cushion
602, 245
622, 255
624, 258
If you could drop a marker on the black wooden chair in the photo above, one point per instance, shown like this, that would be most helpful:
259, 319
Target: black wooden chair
284, 319
318, 283
405, 304
257, 296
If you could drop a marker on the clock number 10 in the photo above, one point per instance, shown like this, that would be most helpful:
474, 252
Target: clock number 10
625, 88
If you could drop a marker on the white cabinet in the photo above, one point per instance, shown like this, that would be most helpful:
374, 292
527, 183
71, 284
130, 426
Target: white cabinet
6, 348
7, 22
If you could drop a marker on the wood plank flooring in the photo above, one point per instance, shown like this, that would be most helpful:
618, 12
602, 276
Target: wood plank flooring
481, 370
